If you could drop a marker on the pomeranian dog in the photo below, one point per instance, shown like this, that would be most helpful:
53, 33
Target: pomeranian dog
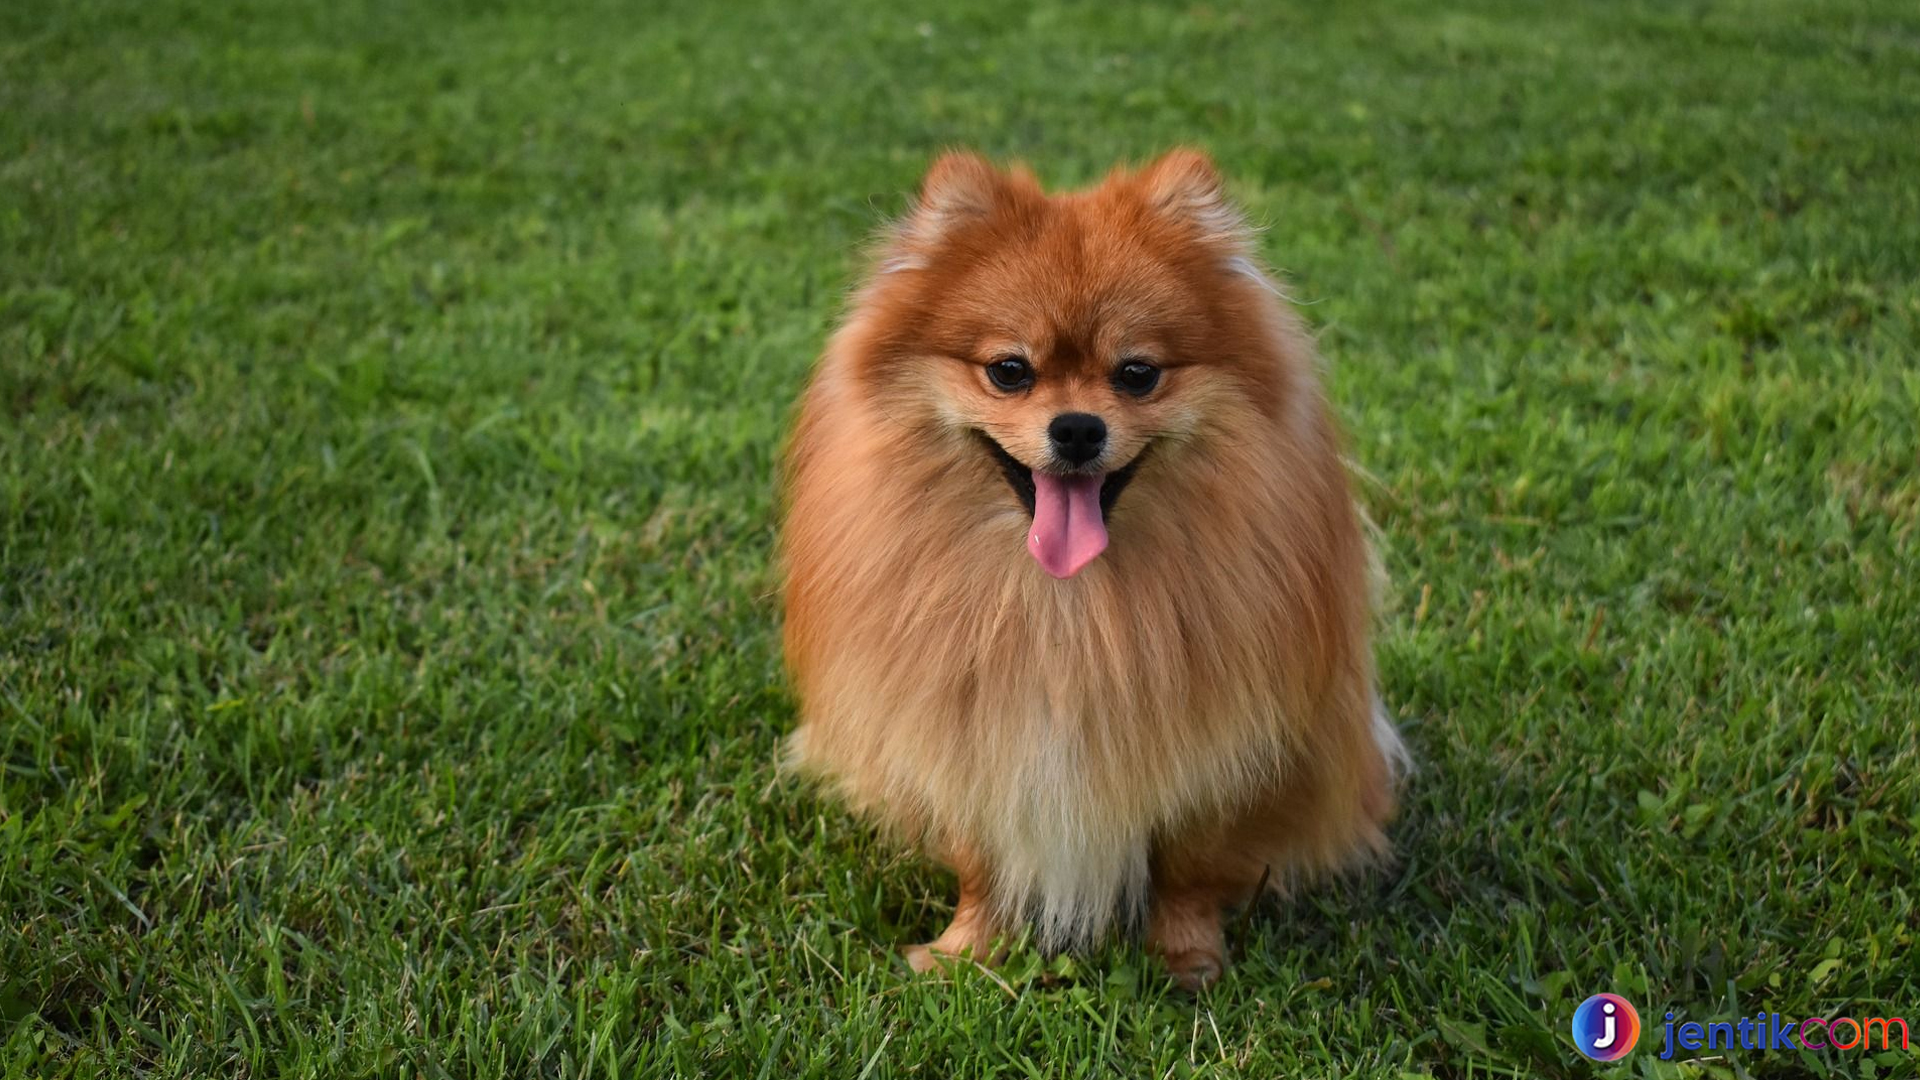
1077, 597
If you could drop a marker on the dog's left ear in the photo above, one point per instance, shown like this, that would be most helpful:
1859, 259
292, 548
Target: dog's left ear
1184, 185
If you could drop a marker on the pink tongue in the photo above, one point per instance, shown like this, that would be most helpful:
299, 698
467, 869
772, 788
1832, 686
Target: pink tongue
1068, 531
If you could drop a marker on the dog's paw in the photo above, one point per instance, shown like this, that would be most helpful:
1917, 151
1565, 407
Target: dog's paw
1195, 969
933, 957
922, 958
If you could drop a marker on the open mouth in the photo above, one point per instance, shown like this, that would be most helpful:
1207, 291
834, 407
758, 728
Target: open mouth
1069, 511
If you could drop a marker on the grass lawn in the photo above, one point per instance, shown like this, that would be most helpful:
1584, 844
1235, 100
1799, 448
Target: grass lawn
389, 401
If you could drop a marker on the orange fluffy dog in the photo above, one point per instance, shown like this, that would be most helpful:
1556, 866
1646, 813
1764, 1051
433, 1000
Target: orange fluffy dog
1076, 594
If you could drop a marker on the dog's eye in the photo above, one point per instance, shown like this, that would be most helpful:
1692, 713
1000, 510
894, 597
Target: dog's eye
1136, 377
1010, 373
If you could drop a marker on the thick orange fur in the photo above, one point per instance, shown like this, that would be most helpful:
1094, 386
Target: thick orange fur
1192, 713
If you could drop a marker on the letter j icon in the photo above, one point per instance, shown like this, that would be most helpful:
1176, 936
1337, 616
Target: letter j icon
1606, 1027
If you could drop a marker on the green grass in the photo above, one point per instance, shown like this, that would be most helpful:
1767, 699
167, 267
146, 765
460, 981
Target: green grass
389, 401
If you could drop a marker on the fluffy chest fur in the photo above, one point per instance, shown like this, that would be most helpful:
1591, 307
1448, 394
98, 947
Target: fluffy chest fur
999, 729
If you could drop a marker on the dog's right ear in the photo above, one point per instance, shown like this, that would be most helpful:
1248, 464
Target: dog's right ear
960, 187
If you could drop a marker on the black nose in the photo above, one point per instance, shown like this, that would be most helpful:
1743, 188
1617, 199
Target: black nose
1078, 437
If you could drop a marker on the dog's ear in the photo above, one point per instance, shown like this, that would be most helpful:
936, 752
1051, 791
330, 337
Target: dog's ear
1184, 185
960, 187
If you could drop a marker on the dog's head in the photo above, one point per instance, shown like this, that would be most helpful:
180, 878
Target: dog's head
1072, 340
